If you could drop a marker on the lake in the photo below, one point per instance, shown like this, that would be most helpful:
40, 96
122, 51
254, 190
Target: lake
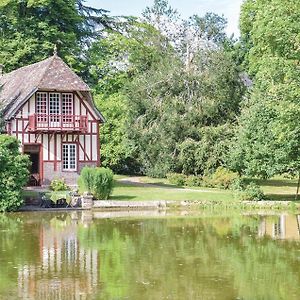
149, 255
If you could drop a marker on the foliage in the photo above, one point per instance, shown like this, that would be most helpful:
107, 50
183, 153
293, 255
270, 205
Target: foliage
58, 184
193, 181
267, 140
117, 59
97, 181
221, 178
29, 30
169, 109
13, 173
177, 179
103, 183
268, 33
86, 179
208, 153
116, 151
239, 184
252, 192
165, 84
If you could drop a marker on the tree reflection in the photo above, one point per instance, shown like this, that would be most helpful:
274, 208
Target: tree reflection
75, 256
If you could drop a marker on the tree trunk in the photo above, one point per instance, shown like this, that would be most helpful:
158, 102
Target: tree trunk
298, 185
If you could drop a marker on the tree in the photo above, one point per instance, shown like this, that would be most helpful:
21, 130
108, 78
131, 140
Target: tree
170, 109
267, 140
13, 173
117, 60
30, 29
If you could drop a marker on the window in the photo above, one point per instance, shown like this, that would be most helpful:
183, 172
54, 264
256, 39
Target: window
41, 107
54, 107
67, 107
69, 157
54, 103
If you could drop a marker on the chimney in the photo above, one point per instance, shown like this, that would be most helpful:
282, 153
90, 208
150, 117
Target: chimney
1, 70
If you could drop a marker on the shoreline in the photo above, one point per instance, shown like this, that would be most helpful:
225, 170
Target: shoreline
107, 205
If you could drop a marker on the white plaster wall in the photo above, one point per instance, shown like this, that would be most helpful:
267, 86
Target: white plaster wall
45, 147
94, 147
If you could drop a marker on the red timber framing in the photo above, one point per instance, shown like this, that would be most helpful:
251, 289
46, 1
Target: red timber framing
51, 142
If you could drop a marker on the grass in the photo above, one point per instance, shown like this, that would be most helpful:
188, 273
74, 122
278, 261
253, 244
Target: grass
141, 193
276, 189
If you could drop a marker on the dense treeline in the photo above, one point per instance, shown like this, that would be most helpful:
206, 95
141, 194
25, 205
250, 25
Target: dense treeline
171, 91
175, 92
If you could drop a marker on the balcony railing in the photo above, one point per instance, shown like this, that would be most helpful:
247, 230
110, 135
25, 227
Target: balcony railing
54, 122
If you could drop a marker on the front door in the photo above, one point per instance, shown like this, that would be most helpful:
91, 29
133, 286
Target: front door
33, 151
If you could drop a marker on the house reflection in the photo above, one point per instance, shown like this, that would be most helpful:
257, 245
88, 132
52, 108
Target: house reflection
280, 227
63, 269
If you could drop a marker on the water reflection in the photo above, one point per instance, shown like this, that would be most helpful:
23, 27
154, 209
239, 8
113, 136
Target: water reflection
64, 269
149, 255
280, 227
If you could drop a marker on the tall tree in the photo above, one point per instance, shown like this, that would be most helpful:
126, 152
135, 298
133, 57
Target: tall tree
30, 29
267, 140
174, 114
116, 60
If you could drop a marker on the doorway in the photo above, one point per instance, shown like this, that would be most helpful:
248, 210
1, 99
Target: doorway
33, 151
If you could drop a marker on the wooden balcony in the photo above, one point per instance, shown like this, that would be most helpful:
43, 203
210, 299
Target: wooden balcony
57, 123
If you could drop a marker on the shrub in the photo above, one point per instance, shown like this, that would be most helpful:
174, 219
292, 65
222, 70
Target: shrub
176, 178
13, 173
239, 184
252, 193
193, 180
58, 184
97, 181
86, 179
103, 183
222, 178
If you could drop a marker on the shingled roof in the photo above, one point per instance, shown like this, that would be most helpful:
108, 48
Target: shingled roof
51, 74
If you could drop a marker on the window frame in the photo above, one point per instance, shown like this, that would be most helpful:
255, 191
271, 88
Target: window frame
42, 106
68, 145
67, 107
61, 103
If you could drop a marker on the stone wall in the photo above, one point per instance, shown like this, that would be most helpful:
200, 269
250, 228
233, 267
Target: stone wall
70, 177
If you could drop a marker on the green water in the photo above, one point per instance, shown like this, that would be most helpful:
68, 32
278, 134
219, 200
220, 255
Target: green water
149, 255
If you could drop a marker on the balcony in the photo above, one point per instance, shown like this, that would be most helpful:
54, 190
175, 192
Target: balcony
54, 123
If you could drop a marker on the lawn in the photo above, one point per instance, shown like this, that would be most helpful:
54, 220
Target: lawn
134, 192
277, 188
146, 188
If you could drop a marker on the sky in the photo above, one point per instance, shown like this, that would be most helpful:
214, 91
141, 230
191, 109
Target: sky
229, 8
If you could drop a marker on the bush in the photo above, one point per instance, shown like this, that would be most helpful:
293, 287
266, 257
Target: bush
176, 178
252, 193
193, 180
239, 184
103, 183
13, 173
86, 179
222, 178
58, 184
97, 181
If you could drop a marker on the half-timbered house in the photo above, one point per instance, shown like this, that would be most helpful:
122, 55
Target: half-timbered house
51, 111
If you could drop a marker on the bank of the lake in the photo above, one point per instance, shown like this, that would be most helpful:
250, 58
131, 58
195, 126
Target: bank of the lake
144, 192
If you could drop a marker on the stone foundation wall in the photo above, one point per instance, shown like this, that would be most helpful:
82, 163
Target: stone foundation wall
70, 177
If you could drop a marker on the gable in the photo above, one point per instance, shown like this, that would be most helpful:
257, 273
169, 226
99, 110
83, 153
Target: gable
51, 74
